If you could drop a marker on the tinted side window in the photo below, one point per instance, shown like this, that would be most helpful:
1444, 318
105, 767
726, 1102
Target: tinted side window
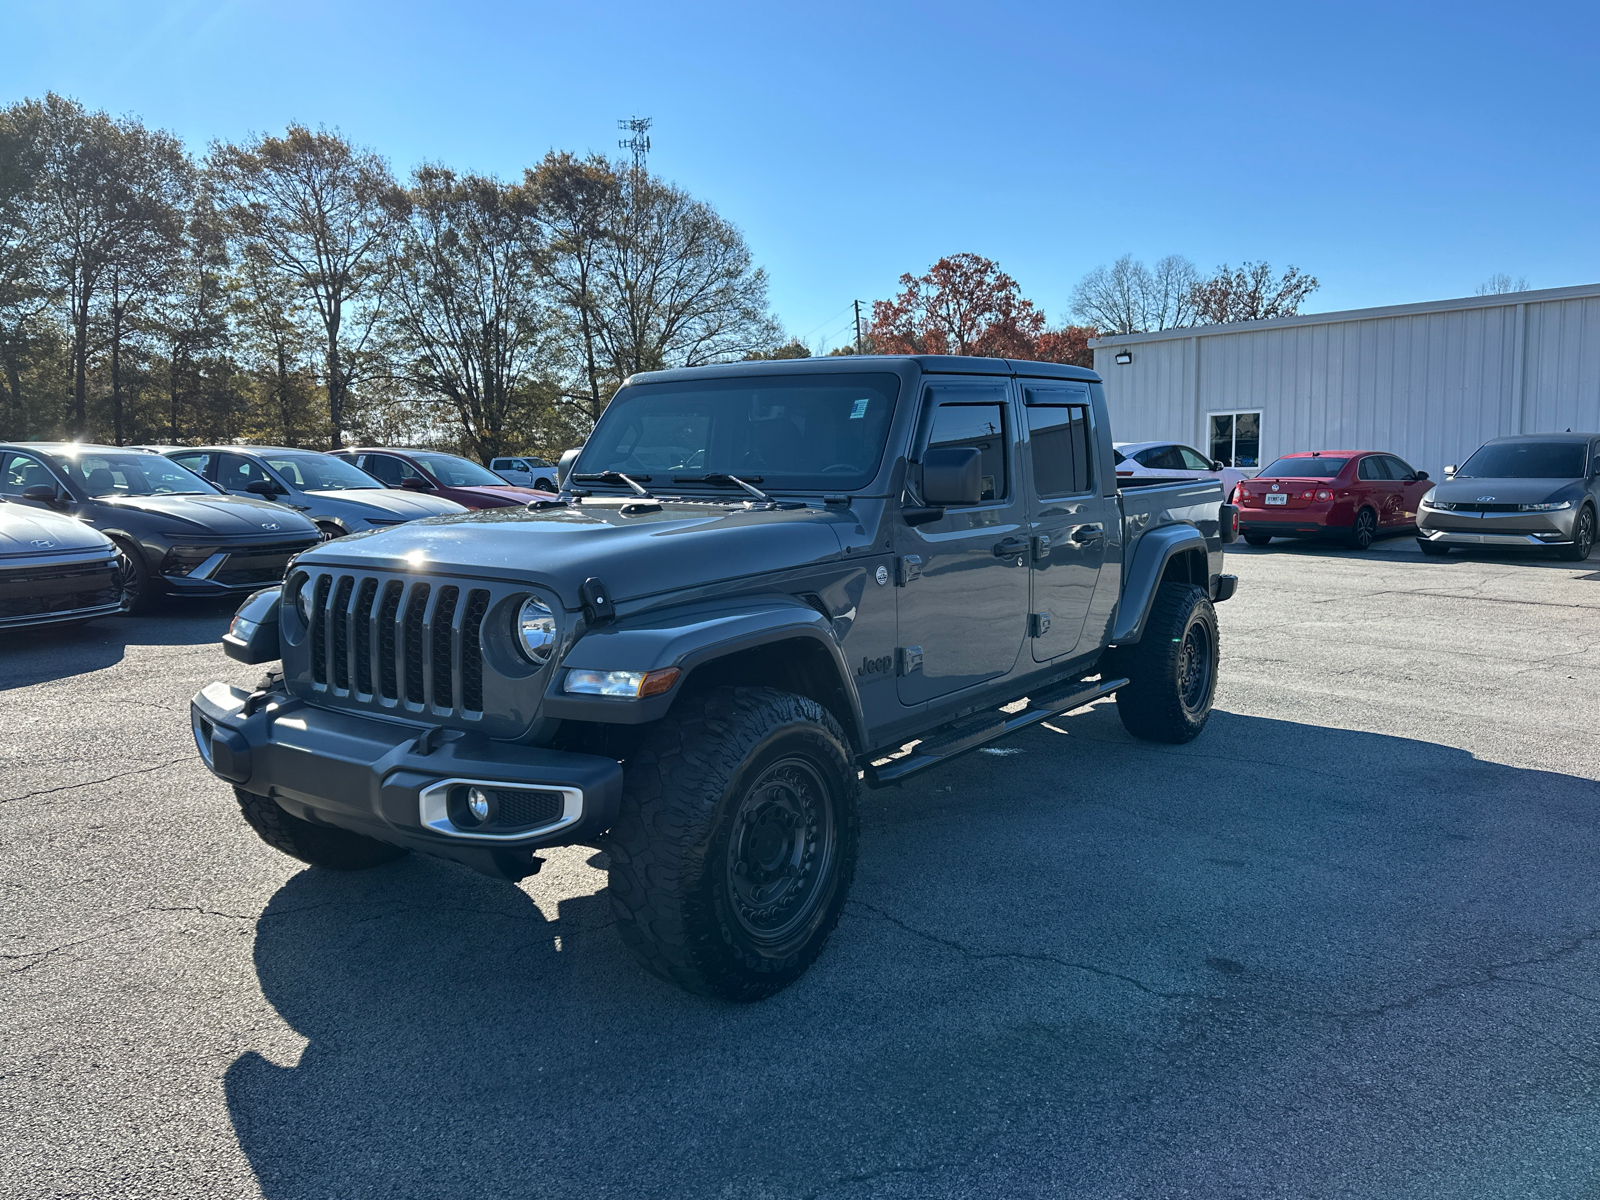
1398, 469
1372, 468
982, 426
1058, 446
1192, 460
234, 472
383, 468
198, 463
23, 471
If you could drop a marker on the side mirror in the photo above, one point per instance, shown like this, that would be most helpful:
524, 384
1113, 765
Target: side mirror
564, 467
263, 487
1420, 476
40, 493
952, 475
1450, 471
412, 484
1218, 465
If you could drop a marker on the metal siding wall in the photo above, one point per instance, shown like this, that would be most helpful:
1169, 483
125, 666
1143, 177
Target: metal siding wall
1562, 365
1148, 398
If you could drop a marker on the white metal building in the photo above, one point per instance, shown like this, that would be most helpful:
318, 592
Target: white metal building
1429, 382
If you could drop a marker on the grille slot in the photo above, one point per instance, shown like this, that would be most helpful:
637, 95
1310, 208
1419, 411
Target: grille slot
363, 623
319, 630
519, 807
416, 609
341, 632
444, 615
472, 651
388, 615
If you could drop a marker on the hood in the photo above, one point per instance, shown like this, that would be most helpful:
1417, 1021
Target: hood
387, 502
683, 545
28, 531
217, 514
510, 491
1501, 491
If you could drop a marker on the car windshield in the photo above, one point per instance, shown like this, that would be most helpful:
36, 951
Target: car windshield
811, 432
1304, 468
458, 472
1525, 460
102, 475
320, 472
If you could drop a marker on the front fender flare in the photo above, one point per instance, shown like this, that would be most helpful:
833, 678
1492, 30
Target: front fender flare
1143, 576
685, 639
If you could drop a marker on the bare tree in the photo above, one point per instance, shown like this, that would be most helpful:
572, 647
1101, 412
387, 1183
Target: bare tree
1499, 284
1250, 293
322, 213
466, 304
1128, 297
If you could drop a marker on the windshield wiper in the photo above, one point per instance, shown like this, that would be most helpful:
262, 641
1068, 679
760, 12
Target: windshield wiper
718, 478
615, 477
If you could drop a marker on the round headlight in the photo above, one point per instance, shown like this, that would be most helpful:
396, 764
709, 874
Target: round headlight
536, 630
303, 600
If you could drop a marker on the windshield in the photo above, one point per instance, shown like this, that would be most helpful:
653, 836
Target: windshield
103, 475
320, 472
810, 432
1304, 468
1525, 460
458, 472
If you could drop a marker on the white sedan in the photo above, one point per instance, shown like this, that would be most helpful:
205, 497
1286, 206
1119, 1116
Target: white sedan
1172, 460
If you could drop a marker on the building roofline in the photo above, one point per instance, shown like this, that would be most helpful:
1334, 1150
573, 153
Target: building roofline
1502, 300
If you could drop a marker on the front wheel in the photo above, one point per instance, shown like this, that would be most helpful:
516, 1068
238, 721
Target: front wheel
1365, 531
734, 849
546, 485
1172, 668
1582, 536
138, 582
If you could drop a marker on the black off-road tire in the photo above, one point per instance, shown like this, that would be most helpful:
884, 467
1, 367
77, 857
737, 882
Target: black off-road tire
1432, 549
1582, 536
1172, 668
1364, 531
319, 845
1258, 539
735, 846
140, 591
546, 485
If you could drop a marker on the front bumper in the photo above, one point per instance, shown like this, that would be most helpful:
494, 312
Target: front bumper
47, 591
233, 570
385, 778
1450, 528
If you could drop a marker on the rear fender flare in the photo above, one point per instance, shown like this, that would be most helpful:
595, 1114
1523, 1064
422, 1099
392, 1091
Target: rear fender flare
1155, 550
688, 639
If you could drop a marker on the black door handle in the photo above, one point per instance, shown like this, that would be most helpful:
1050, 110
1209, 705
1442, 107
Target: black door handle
1006, 547
1087, 533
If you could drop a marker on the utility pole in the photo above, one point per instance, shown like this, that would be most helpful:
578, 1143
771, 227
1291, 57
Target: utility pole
857, 304
639, 144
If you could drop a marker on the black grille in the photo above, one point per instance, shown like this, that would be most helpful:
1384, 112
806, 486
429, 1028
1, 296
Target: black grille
363, 623
416, 609
444, 615
36, 591
341, 632
1494, 508
388, 675
259, 564
319, 630
472, 663
518, 807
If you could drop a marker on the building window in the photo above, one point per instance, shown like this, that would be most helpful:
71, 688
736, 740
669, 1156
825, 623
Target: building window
1236, 438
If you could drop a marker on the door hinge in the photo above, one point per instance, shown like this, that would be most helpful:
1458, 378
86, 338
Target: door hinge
1041, 548
910, 659
908, 568
1038, 624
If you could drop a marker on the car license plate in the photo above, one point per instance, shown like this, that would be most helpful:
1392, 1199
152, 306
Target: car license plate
1277, 498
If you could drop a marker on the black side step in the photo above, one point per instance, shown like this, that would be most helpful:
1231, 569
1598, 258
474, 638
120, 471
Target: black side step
981, 731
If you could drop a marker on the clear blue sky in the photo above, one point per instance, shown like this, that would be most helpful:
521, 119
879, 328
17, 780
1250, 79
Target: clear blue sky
1398, 152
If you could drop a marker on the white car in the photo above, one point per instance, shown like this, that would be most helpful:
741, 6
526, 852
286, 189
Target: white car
525, 471
1172, 460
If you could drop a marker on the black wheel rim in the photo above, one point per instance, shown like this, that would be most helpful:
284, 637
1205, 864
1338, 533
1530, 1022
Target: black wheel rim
1194, 668
130, 578
1585, 538
781, 851
1365, 525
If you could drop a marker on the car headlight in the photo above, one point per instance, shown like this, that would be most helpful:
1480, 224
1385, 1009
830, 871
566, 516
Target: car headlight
1429, 502
535, 628
303, 600
1547, 506
629, 685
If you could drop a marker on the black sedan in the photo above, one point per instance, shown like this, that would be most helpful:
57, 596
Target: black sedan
177, 534
54, 570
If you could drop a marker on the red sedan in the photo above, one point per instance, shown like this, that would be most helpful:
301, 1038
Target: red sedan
1355, 495
439, 474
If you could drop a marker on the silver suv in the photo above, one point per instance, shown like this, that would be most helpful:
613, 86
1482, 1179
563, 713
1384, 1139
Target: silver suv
1539, 489
339, 496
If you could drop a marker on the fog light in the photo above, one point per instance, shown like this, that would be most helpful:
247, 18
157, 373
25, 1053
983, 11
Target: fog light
478, 803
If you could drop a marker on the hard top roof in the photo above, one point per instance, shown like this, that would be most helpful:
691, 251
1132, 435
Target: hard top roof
844, 364
1565, 436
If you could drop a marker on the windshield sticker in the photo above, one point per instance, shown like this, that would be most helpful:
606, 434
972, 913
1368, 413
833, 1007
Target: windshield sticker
859, 411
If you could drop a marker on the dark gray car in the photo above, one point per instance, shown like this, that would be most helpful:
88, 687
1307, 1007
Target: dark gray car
1538, 489
176, 533
54, 570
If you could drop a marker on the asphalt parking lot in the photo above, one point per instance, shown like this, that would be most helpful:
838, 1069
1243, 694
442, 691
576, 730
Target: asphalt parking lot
1345, 944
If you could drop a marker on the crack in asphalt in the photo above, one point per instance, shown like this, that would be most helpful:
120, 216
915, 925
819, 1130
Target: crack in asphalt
1022, 956
884, 1173
67, 787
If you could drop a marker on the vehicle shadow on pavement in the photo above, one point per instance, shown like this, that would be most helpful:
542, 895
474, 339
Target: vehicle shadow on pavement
29, 656
1284, 959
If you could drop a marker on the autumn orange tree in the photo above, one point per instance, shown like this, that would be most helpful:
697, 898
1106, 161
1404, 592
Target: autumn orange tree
965, 304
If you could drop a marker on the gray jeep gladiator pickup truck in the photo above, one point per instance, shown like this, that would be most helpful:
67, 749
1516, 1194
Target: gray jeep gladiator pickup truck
761, 584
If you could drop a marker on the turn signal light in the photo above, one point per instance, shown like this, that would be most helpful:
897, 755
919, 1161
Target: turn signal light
1324, 494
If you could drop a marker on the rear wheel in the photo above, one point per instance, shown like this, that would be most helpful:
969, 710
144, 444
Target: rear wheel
1365, 531
319, 845
735, 846
546, 485
1171, 669
1431, 548
1582, 536
1258, 539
